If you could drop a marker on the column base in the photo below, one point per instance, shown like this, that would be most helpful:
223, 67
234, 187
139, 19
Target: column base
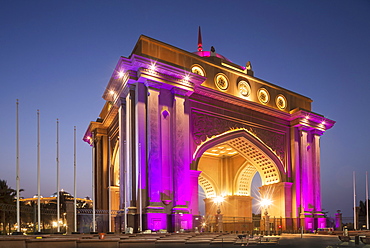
182, 222
312, 221
154, 209
156, 221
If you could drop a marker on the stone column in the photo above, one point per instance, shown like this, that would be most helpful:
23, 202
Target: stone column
181, 163
122, 151
121, 219
140, 151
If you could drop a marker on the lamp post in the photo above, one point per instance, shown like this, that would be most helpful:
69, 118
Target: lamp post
265, 204
218, 200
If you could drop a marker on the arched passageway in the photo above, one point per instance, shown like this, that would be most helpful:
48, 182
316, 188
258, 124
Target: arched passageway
228, 164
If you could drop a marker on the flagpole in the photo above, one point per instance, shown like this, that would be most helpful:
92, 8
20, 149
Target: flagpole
17, 170
354, 202
74, 179
58, 198
93, 179
109, 188
38, 174
125, 183
140, 194
367, 203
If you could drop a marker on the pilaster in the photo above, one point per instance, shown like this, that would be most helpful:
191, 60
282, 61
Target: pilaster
122, 153
140, 145
130, 148
181, 153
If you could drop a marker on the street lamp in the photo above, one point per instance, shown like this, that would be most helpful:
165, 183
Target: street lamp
218, 200
265, 203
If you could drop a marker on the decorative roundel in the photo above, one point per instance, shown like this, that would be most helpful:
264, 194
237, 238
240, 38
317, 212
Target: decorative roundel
197, 69
221, 81
263, 96
244, 88
281, 102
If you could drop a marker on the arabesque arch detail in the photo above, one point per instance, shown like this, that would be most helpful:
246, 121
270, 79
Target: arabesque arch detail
253, 150
207, 185
115, 171
243, 179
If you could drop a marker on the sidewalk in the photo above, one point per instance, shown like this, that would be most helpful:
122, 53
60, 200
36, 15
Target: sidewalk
315, 240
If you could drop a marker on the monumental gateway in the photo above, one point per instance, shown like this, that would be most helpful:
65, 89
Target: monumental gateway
174, 120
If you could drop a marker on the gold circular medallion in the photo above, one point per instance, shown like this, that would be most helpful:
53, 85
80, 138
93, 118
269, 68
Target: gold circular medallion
221, 81
244, 88
281, 102
197, 69
263, 96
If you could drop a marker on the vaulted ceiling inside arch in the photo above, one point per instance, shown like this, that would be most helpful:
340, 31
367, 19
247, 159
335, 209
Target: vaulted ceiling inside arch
244, 159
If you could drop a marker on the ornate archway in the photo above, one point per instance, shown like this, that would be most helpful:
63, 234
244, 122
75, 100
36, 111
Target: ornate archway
168, 109
229, 162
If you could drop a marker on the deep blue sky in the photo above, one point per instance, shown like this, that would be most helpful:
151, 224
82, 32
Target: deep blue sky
57, 56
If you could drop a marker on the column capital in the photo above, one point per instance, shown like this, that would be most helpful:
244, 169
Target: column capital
122, 101
317, 132
180, 92
153, 85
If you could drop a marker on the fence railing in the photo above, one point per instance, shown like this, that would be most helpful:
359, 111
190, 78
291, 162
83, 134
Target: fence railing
209, 223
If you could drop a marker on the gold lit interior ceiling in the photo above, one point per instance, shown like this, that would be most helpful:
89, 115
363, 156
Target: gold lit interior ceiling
221, 150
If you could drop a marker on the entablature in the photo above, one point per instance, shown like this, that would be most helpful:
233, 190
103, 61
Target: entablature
308, 120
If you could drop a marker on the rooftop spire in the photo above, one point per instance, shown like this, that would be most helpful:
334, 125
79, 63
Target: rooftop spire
200, 43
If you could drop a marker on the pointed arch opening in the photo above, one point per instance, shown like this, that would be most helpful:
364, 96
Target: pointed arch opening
228, 164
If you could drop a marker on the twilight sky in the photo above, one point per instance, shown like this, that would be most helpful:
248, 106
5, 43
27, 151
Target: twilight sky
57, 56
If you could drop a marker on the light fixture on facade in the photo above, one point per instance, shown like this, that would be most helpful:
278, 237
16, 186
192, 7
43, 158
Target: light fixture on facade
153, 66
121, 74
186, 78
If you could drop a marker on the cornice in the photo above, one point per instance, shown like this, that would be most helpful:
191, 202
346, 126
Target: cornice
308, 120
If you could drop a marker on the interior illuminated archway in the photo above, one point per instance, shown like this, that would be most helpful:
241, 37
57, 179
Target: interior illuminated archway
228, 164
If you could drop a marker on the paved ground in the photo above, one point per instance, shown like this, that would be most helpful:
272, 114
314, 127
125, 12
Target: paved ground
314, 240
190, 240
